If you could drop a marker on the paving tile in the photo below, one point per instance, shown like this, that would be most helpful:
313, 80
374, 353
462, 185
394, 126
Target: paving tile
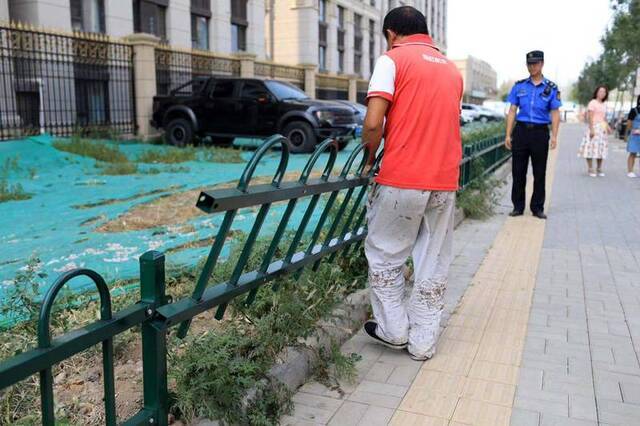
382, 388
488, 391
376, 416
501, 373
521, 417
317, 401
404, 418
349, 414
312, 414
480, 413
404, 375
380, 372
375, 399
551, 420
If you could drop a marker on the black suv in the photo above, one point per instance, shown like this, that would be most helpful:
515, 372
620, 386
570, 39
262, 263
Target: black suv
225, 108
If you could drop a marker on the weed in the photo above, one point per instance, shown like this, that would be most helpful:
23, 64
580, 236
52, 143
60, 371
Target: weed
223, 155
11, 192
86, 148
117, 169
168, 155
479, 198
332, 366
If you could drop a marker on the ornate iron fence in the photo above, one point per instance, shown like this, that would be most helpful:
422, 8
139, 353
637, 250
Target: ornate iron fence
290, 73
332, 87
331, 234
175, 67
57, 82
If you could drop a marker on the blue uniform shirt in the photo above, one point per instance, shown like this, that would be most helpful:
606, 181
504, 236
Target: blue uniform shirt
535, 102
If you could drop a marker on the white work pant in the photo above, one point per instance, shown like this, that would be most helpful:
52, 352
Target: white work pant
403, 223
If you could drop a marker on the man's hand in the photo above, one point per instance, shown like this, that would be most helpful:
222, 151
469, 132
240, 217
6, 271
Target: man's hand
554, 143
507, 142
592, 133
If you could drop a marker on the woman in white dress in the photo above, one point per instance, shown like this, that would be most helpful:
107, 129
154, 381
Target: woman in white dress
595, 143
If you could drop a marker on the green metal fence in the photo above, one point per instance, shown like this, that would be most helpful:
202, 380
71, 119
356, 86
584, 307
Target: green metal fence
487, 155
156, 312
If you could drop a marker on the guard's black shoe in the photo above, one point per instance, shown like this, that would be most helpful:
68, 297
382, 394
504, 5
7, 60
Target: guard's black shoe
370, 328
540, 215
515, 213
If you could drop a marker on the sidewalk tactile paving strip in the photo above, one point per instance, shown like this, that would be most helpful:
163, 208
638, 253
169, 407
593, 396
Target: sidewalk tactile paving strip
472, 378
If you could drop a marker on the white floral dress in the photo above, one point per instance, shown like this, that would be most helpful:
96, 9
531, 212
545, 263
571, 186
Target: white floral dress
598, 146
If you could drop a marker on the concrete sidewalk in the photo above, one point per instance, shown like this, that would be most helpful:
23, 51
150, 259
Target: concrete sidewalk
548, 329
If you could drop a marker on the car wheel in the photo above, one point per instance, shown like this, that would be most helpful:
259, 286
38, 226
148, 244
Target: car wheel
225, 142
483, 120
179, 132
300, 137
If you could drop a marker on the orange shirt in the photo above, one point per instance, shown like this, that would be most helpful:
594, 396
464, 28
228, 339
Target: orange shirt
422, 144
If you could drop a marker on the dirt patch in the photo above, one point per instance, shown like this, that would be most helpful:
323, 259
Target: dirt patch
174, 209
124, 200
79, 388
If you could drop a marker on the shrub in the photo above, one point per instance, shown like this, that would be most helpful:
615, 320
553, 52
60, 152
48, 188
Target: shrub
168, 155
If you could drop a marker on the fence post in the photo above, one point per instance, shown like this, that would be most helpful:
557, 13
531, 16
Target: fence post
154, 339
310, 79
144, 76
247, 64
353, 88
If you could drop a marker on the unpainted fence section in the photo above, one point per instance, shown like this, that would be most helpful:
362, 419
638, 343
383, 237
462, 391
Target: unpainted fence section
58, 83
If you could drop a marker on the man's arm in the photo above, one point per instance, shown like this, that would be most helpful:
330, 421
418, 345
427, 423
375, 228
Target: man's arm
511, 118
555, 126
628, 130
373, 126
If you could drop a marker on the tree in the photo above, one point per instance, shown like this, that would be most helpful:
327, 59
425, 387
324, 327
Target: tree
617, 65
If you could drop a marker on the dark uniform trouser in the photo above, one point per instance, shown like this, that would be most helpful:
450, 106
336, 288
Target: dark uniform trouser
529, 141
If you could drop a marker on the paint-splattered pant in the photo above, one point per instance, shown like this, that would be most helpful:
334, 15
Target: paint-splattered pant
403, 223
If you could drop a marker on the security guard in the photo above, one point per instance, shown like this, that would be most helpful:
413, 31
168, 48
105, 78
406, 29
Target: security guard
534, 105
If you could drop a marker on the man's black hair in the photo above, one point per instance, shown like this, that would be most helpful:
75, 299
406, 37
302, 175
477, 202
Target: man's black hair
638, 102
405, 21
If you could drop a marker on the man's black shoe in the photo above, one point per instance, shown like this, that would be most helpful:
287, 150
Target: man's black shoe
370, 328
515, 213
540, 215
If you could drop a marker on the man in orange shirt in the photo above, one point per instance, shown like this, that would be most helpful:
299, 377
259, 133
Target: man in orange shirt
412, 203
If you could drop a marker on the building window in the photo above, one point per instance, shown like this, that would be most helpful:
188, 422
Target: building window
87, 15
200, 15
341, 35
322, 35
372, 45
239, 25
150, 16
357, 43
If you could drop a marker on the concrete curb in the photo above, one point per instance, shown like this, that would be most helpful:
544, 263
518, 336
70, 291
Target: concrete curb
294, 365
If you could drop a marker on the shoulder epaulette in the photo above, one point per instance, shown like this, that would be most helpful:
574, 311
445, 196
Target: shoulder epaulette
522, 81
552, 84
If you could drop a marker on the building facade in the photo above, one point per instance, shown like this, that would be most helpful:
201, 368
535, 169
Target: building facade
480, 79
339, 36
223, 27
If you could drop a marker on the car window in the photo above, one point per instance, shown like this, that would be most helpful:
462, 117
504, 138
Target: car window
466, 107
223, 89
252, 89
285, 90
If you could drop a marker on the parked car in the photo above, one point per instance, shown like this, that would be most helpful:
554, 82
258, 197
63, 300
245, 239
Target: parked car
360, 111
478, 113
226, 108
